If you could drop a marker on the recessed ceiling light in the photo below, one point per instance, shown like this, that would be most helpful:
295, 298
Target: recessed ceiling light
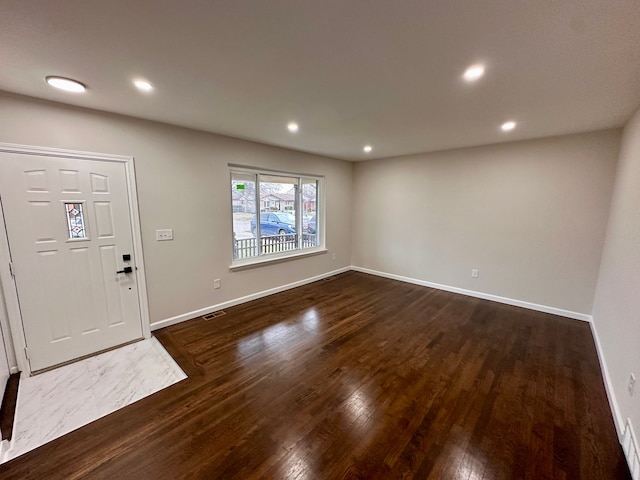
474, 72
143, 85
292, 127
508, 126
367, 148
66, 84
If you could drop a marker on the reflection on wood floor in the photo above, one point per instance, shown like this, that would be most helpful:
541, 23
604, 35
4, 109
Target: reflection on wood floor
359, 377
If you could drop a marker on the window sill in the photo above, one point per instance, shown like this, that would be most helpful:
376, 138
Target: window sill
257, 262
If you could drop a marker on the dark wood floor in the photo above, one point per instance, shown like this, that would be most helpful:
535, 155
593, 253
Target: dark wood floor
359, 377
8, 409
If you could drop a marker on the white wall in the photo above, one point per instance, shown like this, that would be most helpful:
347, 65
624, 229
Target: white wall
616, 310
531, 216
183, 183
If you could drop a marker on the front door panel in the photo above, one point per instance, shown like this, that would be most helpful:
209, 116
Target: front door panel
68, 223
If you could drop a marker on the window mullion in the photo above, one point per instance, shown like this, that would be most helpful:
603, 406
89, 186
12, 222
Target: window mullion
298, 210
258, 218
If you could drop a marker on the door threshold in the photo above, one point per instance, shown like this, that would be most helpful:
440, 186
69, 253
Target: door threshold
84, 357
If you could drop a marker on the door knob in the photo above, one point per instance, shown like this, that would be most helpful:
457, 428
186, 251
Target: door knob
125, 270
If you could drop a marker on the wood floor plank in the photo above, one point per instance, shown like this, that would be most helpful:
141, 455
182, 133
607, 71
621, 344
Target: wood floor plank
8, 408
359, 377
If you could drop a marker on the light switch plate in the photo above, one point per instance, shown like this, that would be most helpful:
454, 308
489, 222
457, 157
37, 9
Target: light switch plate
164, 234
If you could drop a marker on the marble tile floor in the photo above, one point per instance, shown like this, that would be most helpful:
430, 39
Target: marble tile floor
59, 401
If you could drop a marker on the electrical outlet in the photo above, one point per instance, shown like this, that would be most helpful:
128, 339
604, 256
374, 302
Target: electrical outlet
475, 273
217, 283
632, 383
333, 256
164, 234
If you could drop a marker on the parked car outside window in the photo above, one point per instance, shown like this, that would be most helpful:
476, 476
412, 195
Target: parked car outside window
275, 223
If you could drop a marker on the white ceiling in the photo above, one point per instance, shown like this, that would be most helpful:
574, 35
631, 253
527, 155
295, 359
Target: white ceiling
350, 72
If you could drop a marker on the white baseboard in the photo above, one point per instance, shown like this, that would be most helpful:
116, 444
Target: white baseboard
486, 296
630, 449
608, 385
237, 301
625, 430
230, 303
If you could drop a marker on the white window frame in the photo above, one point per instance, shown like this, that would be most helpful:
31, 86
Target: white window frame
290, 254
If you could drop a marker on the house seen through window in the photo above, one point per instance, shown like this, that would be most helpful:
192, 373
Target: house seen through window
274, 214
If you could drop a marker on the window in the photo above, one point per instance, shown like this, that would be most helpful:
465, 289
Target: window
274, 214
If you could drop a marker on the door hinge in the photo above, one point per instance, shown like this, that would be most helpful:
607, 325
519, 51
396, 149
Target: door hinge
26, 353
13, 273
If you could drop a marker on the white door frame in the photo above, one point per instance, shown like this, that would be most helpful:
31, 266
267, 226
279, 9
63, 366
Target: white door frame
14, 330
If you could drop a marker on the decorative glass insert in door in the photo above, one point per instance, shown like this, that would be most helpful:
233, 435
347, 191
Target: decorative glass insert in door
75, 220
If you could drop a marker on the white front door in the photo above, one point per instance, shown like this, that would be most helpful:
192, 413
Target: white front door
69, 228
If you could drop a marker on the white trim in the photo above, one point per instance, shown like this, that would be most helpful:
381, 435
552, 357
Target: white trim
14, 334
136, 231
19, 361
608, 384
275, 258
231, 303
630, 449
60, 152
267, 171
486, 296
5, 325
625, 431
320, 208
